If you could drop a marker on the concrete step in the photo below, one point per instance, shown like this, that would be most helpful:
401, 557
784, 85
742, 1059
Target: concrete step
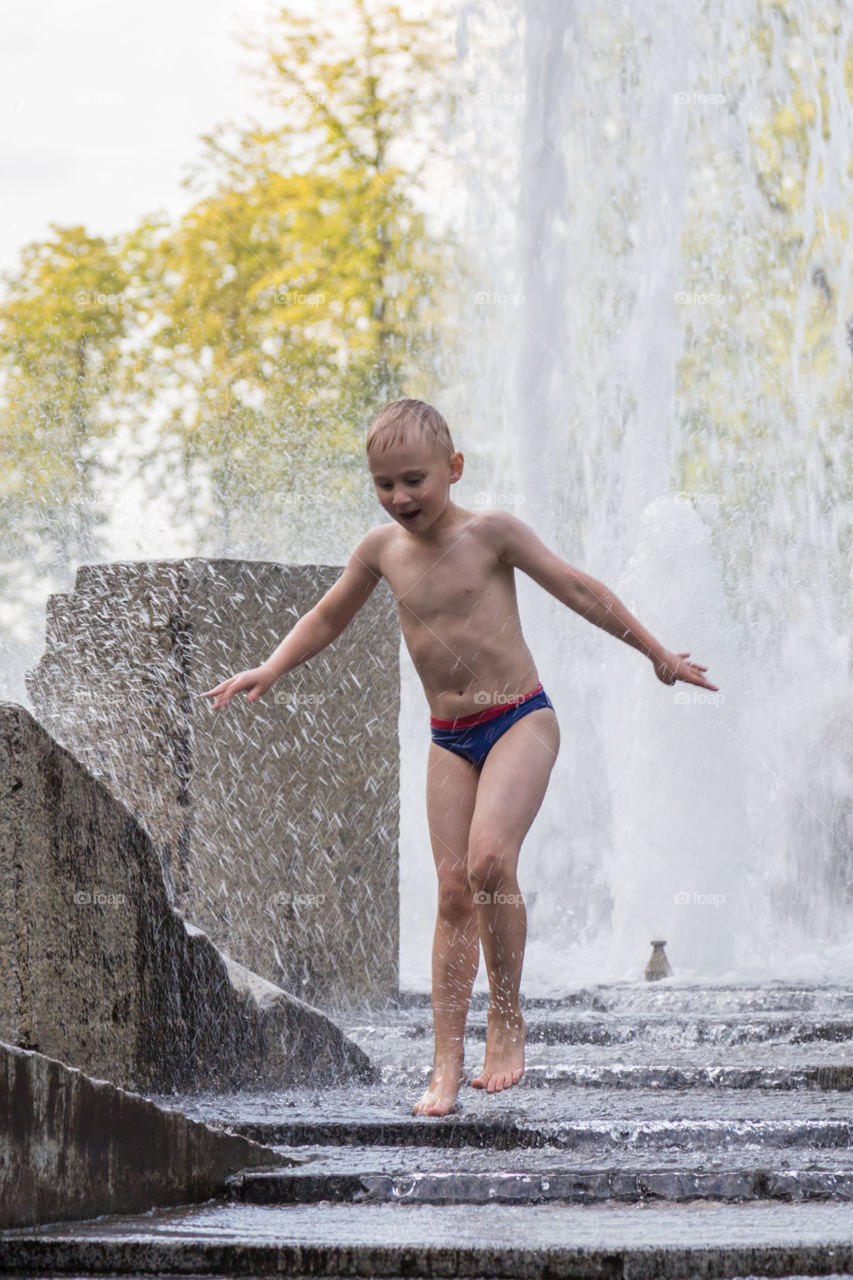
682, 1030
593, 1120
643, 1036
565, 1185
506, 1133
641, 1241
646, 998
658, 1131
594, 1068
403, 1161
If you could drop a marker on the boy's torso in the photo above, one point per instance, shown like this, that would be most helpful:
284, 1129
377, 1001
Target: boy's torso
459, 616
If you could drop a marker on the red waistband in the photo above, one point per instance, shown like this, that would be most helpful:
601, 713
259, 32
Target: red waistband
463, 722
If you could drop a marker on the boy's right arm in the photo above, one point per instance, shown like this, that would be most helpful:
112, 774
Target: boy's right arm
315, 629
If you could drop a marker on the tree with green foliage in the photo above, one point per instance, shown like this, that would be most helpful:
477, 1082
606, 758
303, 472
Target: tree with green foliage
66, 312
258, 332
298, 292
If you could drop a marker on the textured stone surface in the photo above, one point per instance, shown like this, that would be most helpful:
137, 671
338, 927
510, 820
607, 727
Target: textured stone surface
73, 1147
96, 966
561, 1177
565, 1186
277, 824
531, 1242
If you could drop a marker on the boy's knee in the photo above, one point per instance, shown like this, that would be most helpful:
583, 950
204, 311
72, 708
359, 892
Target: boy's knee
488, 865
455, 901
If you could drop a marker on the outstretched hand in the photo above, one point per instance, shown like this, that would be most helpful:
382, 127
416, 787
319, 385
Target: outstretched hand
255, 682
674, 666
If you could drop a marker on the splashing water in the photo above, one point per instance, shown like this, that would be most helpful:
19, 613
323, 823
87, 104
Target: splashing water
652, 372
653, 381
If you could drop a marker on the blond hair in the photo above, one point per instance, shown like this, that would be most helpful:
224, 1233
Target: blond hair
402, 419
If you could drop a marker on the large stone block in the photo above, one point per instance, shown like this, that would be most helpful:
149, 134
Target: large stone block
277, 824
72, 1147
98, 969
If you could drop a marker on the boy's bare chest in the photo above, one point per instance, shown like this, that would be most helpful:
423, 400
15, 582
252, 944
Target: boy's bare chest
451, 582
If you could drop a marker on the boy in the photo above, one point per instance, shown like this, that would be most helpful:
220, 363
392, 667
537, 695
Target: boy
494, 731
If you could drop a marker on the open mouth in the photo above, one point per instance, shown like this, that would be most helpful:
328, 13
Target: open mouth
409, 515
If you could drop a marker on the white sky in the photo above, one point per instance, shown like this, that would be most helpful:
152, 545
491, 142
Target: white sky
102, 103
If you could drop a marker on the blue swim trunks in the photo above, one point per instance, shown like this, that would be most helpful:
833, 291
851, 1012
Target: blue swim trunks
473, 737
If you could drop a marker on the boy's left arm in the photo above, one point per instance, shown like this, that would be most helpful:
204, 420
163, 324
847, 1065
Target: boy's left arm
518, 545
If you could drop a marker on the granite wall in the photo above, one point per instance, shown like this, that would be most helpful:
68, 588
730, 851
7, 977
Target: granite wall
72, 1147
97, 967
276, 824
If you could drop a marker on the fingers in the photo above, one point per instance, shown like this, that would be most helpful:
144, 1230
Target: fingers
693, 675
223, 700
244, 680
224, 692
688, 672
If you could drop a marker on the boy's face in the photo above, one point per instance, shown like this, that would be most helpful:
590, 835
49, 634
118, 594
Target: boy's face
412, 481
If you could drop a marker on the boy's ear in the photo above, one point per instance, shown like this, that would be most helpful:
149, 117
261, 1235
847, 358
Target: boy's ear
457, 461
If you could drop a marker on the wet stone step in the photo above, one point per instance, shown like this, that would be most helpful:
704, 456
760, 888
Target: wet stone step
618, 1074
741, 1041
757, 1115
503, 1133
582, 1186
838, 1076
648, 1241
406, 1161
612, 1029
668, 996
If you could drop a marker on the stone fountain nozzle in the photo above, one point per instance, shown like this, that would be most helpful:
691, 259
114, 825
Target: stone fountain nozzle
658, 966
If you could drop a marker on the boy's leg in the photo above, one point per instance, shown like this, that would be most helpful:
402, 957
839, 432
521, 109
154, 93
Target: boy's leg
451, 792
513, 782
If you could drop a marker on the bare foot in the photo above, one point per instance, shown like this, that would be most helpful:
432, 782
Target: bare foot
440, 1096
504, 1061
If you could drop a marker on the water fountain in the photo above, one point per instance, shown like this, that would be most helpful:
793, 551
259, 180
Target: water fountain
634, 406
631, 403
